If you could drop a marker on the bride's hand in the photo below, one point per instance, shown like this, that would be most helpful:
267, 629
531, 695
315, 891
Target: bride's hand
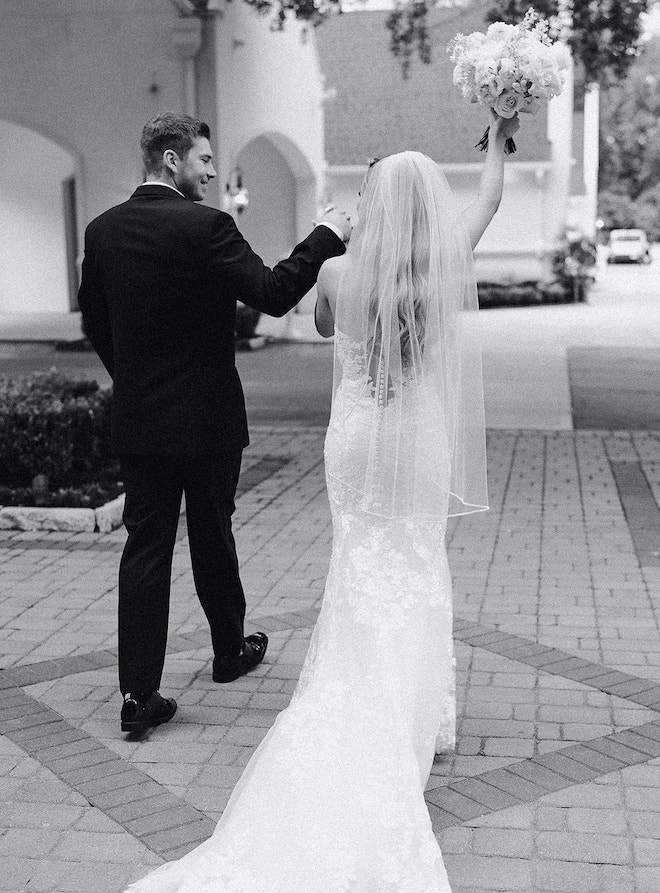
501, 129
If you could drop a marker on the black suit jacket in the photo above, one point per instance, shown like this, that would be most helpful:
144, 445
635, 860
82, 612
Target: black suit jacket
160, 281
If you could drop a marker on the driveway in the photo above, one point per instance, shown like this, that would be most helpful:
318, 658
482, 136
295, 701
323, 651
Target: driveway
545, 368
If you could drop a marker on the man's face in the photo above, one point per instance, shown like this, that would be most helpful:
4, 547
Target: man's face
195, 170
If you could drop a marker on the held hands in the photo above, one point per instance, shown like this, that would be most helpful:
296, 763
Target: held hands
338, 219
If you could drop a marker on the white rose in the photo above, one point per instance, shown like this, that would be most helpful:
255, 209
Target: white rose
507, 67
500, 31
507, 104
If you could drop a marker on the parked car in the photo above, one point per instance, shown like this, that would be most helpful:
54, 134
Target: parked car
629, 246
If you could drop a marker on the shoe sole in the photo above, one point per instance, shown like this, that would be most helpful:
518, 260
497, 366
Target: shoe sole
234, 676
143, 726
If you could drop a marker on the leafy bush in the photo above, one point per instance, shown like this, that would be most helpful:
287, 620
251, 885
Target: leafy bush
58, 427
85, 496
572, 276
521, 294
572, 265
509, 294
246, 324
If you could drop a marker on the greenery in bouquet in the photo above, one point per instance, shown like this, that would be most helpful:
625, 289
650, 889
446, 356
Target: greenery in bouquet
55, 442
510, 68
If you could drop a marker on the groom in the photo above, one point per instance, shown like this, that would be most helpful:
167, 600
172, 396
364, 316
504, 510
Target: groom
160, 280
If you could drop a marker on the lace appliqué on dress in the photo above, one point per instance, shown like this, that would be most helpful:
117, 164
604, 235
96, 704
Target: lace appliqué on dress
333, 799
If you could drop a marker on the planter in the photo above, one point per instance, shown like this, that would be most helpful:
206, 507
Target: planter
101, 520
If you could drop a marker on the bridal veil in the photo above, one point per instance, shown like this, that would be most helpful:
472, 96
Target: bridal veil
407, 339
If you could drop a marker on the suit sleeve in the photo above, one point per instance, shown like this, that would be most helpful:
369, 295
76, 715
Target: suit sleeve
94, 307
275, 291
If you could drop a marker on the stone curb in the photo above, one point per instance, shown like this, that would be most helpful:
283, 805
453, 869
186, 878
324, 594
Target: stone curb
108, 517
101, 520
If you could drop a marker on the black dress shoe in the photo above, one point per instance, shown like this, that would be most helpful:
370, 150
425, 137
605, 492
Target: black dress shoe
141, 711
227, 669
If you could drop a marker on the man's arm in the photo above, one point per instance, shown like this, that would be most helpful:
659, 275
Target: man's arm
94, 308
478, 215
275, 291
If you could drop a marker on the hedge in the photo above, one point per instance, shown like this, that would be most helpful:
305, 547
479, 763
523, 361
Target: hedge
531, 294
572, 263
57, 427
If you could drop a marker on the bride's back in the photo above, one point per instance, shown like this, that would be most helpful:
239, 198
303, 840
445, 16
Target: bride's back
398, 421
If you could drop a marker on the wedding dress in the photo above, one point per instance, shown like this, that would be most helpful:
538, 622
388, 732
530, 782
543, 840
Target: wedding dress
332, 800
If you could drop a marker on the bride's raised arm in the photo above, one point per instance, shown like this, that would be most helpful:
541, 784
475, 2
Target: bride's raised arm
478, 215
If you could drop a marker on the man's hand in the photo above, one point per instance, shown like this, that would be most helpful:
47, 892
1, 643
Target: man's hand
338, 219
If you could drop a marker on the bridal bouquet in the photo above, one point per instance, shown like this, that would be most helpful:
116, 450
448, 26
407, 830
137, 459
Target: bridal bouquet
510, 68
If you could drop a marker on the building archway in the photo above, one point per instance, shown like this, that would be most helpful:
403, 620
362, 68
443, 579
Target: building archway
269, 221
283, 198
39, 248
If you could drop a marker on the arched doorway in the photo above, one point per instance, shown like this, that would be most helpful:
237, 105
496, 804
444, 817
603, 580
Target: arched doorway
282, 190
269, 221
39, 246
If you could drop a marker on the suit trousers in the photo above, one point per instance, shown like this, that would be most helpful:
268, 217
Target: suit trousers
154, 485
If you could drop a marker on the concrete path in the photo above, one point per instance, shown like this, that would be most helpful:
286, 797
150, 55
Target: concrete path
557, 593
527, 350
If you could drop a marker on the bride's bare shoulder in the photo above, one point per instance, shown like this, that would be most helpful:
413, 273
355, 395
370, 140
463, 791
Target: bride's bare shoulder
330, 275
327, 287
332, 270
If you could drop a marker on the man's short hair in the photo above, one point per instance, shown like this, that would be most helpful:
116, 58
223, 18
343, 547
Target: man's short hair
169, 131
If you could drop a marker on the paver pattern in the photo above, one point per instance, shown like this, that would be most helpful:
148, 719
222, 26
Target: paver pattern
554, 782
614, 387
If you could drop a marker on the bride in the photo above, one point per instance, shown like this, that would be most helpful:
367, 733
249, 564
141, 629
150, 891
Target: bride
333, 799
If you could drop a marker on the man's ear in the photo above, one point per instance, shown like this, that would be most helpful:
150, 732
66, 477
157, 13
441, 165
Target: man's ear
171, 160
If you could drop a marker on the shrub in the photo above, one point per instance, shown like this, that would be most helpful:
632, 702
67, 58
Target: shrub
84, 496
514, 294
54, 426
572, 265
247, 320
572, 270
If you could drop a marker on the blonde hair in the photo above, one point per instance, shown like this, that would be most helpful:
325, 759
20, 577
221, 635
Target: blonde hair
412, 284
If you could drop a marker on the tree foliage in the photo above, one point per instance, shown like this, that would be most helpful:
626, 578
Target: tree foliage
629, 176
408, 27
604, 38
604, 35
312, 11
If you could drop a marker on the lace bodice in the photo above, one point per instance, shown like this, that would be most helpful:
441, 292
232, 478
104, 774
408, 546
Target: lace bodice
386, 450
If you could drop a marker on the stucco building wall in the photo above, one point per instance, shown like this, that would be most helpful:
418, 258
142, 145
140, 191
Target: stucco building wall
86, 74
376, 111
33, 259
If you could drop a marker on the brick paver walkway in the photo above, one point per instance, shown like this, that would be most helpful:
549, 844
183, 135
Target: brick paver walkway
554, 784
